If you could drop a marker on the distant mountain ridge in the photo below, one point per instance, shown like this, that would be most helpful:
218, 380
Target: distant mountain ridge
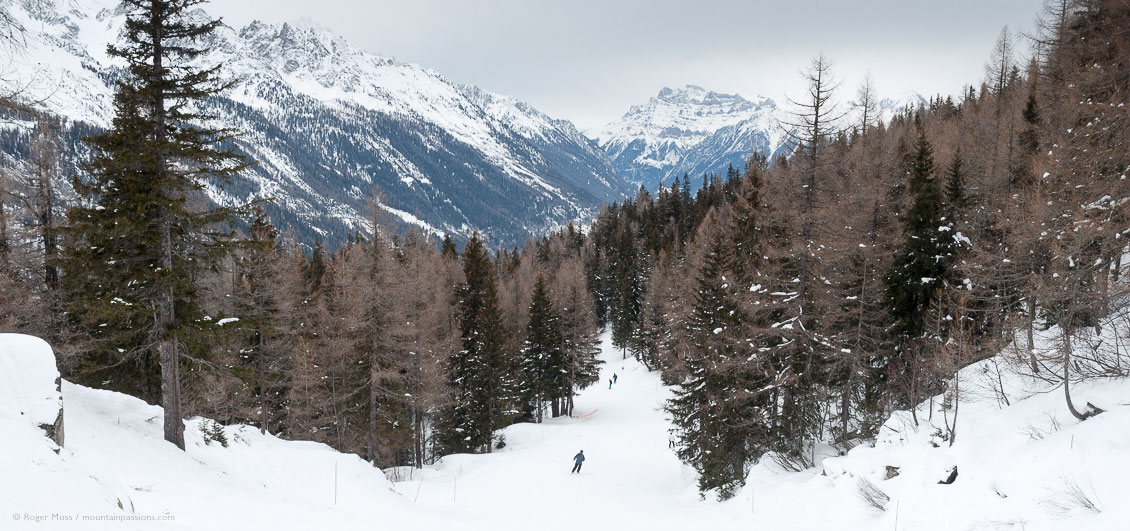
329, 124
689, 130
693, 131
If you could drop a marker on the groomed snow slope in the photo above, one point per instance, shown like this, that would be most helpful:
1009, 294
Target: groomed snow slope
1015, 470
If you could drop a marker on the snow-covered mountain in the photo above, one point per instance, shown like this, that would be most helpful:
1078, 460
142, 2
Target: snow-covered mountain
693, 131
689, 130
329, 124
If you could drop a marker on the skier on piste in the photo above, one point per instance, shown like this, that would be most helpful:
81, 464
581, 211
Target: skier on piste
579, 459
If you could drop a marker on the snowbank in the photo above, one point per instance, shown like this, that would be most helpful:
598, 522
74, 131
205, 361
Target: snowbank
117, 472
1023, 462
29, 385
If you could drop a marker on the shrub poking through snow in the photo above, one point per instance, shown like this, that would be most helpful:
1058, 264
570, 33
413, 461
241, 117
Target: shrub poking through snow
872, 495
1073, 497
213, 432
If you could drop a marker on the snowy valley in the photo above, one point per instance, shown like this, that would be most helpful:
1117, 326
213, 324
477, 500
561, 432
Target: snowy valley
428, 306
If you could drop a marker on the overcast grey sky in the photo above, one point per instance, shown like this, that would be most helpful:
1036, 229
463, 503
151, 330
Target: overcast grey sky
589, 60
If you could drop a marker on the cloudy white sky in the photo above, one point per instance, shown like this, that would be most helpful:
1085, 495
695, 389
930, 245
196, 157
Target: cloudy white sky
589, 60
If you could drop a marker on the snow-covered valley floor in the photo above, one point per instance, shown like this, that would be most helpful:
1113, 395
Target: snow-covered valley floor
1022, 467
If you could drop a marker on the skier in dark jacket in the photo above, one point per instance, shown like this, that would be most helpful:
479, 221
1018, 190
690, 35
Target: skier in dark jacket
579, 458
615, 378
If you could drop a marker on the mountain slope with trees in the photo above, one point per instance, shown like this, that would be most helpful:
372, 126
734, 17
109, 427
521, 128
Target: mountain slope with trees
329, 127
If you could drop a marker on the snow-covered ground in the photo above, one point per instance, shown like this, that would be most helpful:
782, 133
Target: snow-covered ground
1018, 467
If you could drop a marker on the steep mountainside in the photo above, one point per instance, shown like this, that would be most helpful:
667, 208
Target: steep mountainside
329, 125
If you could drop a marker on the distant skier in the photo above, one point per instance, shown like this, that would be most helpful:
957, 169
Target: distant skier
610, 383
614, 378
579, 458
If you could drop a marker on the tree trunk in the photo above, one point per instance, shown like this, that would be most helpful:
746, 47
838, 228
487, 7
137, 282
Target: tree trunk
261, 378
845, 403
419, 435
1067, 349
1104, 292
170, 391
1032, 336
167, 347
956, 402
374, 451
166, 316
569, 386
47, 228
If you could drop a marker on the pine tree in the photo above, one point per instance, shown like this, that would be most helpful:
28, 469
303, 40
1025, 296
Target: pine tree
957, 198
627, 275
711, 407
1021, 172
1029, 138
861, 331
578, 330
646, 338
428, 329
134, 240
542, 360
918, 276
316, 268
372, 311
480, 374
448, 248
920, 270
796, 293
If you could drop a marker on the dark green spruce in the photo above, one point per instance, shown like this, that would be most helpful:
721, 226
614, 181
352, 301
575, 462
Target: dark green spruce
542, 359
484, 391
139, 233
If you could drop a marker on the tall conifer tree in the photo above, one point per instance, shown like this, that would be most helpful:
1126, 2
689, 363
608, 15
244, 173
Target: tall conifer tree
480, 373
542, 361
920, 270
710, 406
135, 240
